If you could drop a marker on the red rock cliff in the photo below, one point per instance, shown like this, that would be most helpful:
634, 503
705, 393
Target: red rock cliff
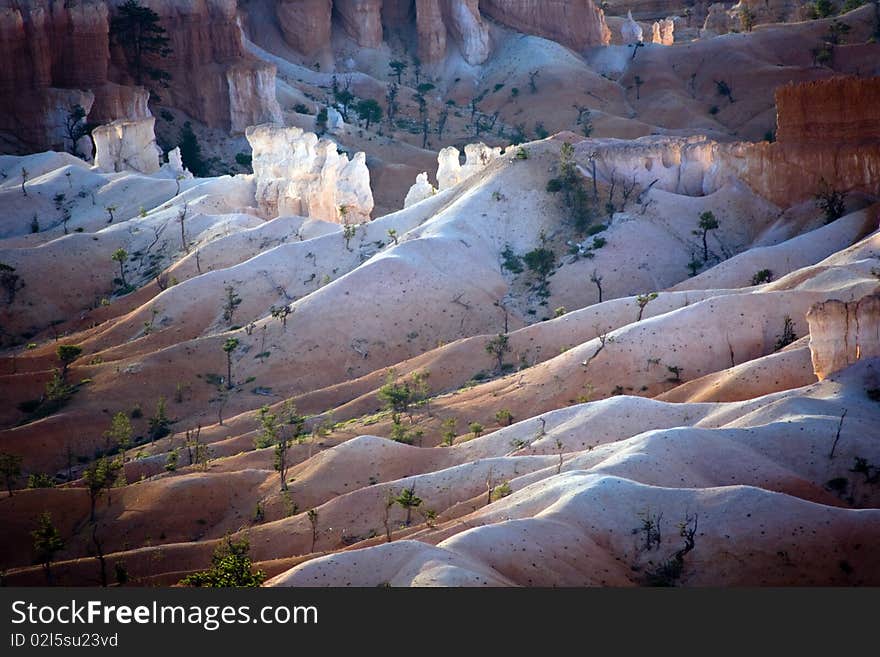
827, 130
307, 24
577, 24
837, 109
54, 54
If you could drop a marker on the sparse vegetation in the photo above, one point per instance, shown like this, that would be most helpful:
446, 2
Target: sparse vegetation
231, 302
830, 201
504, 417
498, 347
10, 470
231, 567
47, 543
707, 223
787, 336
229, 346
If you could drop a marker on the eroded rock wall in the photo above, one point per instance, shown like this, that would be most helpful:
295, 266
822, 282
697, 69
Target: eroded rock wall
56, 53
577, 24
842, 333
127, 146
841, 109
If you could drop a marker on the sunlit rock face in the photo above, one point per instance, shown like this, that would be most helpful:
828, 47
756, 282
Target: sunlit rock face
127, 146
842, 333
663, 32
422, 190
450, 170
299, 174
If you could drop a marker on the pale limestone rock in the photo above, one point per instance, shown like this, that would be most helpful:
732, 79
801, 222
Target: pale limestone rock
420, 191
335, 122
252, 98
174, 167
450, 171
842, 333
630, 31
127, 146
471, 32
299, 174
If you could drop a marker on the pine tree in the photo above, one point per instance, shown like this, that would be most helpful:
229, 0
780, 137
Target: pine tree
136, 29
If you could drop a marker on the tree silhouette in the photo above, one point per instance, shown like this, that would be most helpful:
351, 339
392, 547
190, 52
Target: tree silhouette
120, 256
137, 31
229, 346
47, 542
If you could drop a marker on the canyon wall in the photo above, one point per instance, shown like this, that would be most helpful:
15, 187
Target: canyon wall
841, 109
577, 24
55, 54
307, 24
210, 71
829, 130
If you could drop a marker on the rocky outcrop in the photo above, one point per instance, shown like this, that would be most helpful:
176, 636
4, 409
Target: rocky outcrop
450, 170
431, 30
51, 55
466, 25
663, 32
420, 191
630, 31
843, 109
55, 54
298, 174
127, 146
842, 333
828, 134
577, 24
362, 20
208, 65
305, 24
252, 98
717, 21
769, 11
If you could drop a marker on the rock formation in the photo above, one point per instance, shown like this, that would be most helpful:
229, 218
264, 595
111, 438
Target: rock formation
717, 21
431, 30
305, 24
251, 96
420, 191
843, 109
842, 333
450, 171
361, 20
211, 74
56, 54
663, 32
818, 140
577, 24
630, 31
298, 174
127, 146
471, 34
